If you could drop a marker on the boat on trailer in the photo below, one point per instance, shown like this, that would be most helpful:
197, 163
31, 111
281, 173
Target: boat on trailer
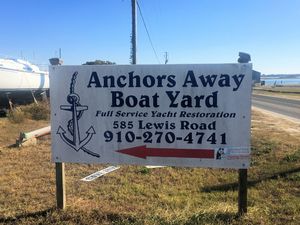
21, 82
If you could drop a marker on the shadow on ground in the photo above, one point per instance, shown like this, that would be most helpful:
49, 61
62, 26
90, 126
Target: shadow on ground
68, 216
251, 183
53, 216
37, 214
206, 217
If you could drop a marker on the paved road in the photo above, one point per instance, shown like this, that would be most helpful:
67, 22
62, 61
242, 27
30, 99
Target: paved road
287, 107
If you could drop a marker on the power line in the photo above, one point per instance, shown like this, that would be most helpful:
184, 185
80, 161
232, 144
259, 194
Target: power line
147, 31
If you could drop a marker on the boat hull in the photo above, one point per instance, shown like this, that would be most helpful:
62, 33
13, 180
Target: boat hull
18, 86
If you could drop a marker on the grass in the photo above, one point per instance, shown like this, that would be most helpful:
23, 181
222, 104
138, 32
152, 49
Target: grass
162, 196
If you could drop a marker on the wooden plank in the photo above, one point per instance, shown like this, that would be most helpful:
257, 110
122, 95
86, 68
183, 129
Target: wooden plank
60, 185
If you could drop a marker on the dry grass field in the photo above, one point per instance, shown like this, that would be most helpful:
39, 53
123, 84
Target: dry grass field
137, 195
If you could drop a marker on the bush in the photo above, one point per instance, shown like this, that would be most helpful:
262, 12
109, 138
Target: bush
39, 111
16, 116
34, 111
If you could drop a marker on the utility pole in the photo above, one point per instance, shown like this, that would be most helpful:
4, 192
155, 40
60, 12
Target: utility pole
166, 58
133, 33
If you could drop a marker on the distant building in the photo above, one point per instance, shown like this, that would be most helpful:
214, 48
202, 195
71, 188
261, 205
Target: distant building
255, 77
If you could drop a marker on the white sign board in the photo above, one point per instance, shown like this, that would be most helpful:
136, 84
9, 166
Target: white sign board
168, 115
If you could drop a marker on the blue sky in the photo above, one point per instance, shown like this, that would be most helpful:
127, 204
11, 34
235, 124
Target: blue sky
191, 31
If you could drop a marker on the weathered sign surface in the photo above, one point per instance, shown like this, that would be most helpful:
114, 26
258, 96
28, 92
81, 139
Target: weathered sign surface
179, 115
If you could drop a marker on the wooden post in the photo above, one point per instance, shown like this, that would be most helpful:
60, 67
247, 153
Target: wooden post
59, 166
243, 173
242, 191
60, 185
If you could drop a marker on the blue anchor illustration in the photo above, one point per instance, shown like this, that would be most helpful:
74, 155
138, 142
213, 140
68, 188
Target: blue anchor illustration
73, 127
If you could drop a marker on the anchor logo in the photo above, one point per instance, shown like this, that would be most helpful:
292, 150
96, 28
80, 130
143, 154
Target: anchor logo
73, 126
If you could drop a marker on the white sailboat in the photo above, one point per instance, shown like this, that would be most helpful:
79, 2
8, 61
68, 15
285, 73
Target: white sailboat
19, 80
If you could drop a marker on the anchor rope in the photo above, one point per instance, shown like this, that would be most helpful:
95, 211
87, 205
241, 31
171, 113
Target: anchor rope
72, 91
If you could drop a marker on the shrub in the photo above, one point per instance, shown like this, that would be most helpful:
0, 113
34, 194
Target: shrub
39, 111
16, 116
292, 157
144, 170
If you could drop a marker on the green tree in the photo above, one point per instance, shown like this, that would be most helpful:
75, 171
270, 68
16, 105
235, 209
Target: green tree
99, 62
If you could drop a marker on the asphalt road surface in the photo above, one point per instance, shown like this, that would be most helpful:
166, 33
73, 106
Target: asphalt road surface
286, 107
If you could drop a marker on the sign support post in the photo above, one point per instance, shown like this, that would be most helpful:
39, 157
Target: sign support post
243, 173
242, 199
60, 185
59, 166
